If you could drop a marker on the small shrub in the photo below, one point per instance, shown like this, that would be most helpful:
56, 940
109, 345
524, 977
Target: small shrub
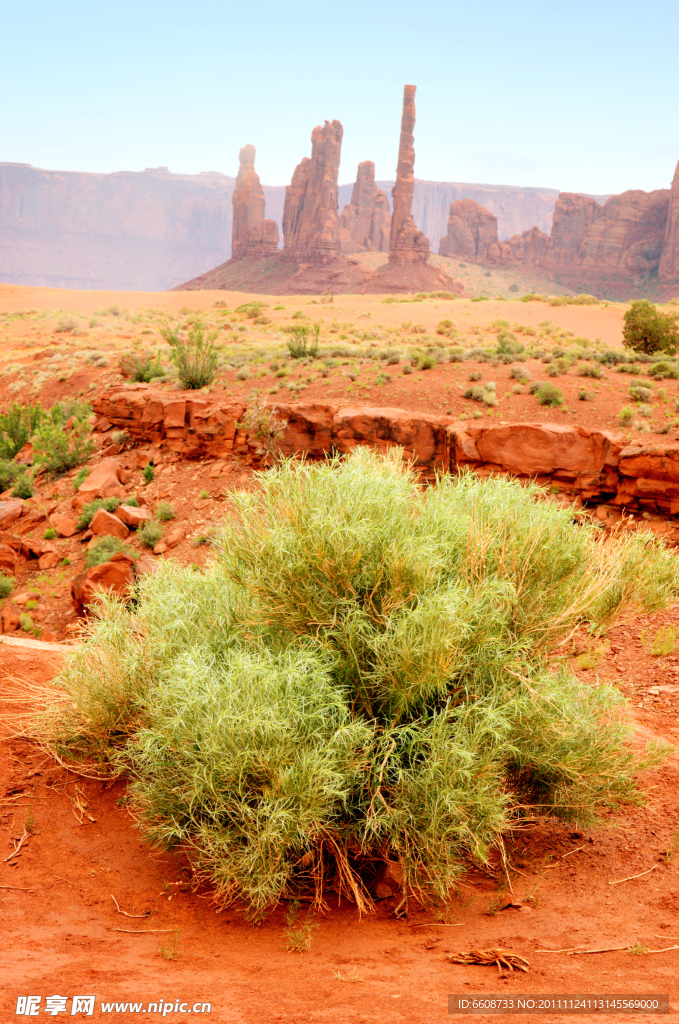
80, 478
590, 370
475, 375
141, 369
6, 586
407, 368
196, 359
253, 309
23, 486
26, 622
57, 447
132, 501
66, 325
149, 533
9, 471
103, 551
17, 427
119, 436
243, 373
299, 345
164, 511
50, 533
148, 472
585, 396
663, 643
519, 373
645, 410
87, 514
549, 394
663, 371
647, 329
518, 389
639, 393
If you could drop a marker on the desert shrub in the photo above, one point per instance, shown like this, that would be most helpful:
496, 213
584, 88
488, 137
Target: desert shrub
647, 329
63, 439
475, 375
548, 394
9, 471
17, 427
299, 345
585, 396
590, 370
148, 472
164, 511
67, 325
639, 393
626, 416
142, 369
252, 309
663, 371
23, 486
80, 477
364, 673
407, 368
532, 297
195, 358
50, 533
149, 533
6, 586
103, 551
519, 373
87, 514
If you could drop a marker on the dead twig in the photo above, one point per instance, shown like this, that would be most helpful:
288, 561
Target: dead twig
630, 877
606, 949
21, 887
571, 852
432, 925
125, 912
22, 840
502, 958
146, 931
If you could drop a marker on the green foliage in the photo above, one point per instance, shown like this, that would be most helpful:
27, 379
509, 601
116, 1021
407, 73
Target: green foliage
195, 358
663, 643
663, 371
17, 427
50, 534
103, 551
132, 501
299, 345
148, 472
80, 477
85, 517
639, 393
149, 533
590, 370
626, 416
549, 394
164, 511
23, 486
365, 672
252, 309
63, 437
142, 369
647, 329
9, 471
6, 586
26, 622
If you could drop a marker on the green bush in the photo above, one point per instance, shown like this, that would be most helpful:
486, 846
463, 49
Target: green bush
647, 329
164, 511
148, 472
299, 345
365, 672
590, 370
103, 551
548, 394
80, 478
638, 393
17, 427
9, 471
58, 447
142, 369
149, 533
663, 371
196, 358
87, 514
50, 533
626, 416
6, 586
23, 486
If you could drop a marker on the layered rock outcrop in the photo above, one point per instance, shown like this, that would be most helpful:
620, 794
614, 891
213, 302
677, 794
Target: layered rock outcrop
365, 223
407, 244
668, 268
252, 236
310, 221
471, 231
591, 465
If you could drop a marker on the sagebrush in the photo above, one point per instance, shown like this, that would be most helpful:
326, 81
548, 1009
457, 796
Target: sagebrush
365, 672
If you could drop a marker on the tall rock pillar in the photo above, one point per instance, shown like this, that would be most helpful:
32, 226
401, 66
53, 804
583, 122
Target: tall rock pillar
668, 269
310, 222
252, 236
406, 243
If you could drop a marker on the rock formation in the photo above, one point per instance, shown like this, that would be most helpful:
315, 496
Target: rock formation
573, 216
252, 236
406, 243
365, 223
310, 222
471, 231
668, 269
626, 237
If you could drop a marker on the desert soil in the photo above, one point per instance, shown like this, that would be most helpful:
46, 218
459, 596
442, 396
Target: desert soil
82, 846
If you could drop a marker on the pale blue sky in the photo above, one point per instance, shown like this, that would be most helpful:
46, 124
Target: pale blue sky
567, 94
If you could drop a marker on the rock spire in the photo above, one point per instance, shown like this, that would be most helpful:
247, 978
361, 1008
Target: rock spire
252, 236
310, 222
668, 269
366, 222
406, 243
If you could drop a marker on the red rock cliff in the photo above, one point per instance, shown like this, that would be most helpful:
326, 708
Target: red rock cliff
668, 269
471, 231
366, 220
251, 235
310, 222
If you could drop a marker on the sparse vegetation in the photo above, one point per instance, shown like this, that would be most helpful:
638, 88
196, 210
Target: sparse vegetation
149, 533
164, 511
299, 345
17, 427
548, 394
196, 358
103, 551
85, 517
141, 368
6, 585
148, 472
63, 439
365, 671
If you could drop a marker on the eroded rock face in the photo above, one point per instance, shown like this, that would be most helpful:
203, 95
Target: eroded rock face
406, 243
251, 235
668, 269
366, 221
627, 236
310, 221
471, 231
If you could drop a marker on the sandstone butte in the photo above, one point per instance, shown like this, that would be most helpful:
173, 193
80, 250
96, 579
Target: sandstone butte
630, 240
251, 235
588, 465
365, 224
